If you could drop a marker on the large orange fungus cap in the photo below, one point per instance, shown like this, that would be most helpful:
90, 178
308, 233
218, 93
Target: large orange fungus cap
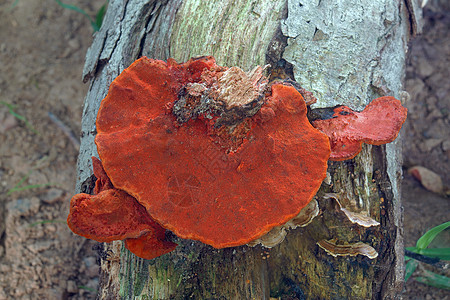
211, 152
379, 123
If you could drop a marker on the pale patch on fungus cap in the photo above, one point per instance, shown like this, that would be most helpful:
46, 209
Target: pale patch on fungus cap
229, 93
238, 88
195, 89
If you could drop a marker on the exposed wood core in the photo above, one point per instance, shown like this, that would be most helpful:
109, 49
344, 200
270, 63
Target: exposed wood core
237, 88
226, 95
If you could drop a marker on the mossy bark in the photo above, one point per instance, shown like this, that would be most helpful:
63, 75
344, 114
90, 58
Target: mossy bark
301, 41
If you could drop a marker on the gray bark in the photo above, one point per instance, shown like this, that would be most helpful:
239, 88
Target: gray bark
346, 53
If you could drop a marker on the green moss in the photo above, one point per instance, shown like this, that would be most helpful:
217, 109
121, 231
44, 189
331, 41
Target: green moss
141, 276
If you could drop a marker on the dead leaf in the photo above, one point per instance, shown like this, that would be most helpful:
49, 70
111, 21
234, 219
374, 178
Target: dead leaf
430, 180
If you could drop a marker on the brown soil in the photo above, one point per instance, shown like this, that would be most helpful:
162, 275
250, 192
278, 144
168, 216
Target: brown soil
426, 138
42, 50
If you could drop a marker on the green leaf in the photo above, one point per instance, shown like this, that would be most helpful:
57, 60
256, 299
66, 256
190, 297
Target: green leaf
436, 280
429, 236
410, 268
441, 253
100, 15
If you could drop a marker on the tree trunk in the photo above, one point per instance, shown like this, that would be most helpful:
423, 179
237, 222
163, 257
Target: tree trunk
345, 52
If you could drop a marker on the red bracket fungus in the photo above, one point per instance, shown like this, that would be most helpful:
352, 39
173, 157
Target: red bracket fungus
379, 123
211, 153
112, 214
207, 152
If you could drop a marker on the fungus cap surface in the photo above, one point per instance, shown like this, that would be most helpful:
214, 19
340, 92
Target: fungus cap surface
109, 216
151, 244
188, 180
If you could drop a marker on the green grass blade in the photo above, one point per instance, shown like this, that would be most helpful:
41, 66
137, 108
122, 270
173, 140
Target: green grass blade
410, 268
47, 222
86, 288
27, 187
22, 180
436, 280
77, 9
8, 105
19, 117
13, 5
429, 236
100, 15
74, 8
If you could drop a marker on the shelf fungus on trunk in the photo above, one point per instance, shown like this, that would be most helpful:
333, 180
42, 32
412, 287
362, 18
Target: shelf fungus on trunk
360, 218
332, 248
379, 123
211, 153
111, 214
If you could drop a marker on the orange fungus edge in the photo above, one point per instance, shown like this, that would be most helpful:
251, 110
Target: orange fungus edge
87, 211
150, 244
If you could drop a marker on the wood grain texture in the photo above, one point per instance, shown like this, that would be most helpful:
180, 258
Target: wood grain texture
236, 33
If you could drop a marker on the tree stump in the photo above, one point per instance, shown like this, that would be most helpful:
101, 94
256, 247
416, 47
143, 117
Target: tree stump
345, 53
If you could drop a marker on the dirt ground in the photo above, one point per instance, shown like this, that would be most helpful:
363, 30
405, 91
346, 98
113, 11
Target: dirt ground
42, 50
426, 136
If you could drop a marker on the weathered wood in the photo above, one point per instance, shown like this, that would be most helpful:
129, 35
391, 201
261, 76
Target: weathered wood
346, 53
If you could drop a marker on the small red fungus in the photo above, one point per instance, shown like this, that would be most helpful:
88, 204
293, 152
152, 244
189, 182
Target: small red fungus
109, 216
151, 244
112, 215
379, 123
206, 165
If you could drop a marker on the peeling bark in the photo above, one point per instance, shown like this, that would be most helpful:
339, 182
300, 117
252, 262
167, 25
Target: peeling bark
346, 53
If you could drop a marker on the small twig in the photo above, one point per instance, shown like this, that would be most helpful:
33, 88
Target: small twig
433, 261
65, 129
